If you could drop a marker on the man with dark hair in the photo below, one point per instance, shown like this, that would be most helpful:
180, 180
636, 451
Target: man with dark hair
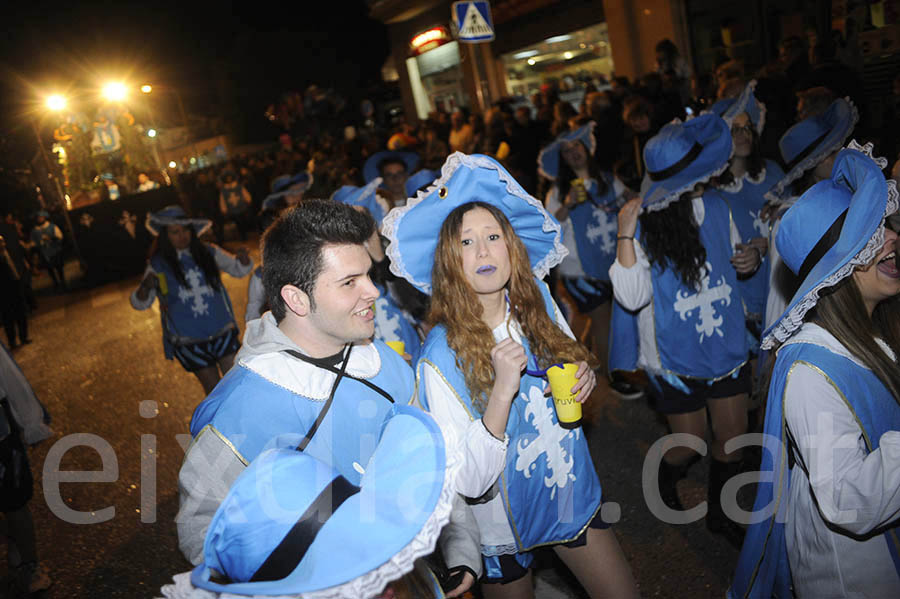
308, 376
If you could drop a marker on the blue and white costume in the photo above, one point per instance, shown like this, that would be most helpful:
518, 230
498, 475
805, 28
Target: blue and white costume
682, 331
394, 324
828, 492
746, 197
549, 491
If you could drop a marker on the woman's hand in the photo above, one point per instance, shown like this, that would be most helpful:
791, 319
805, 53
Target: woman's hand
628, 217
467, 581
746, 258
586, 381
509, 360
760, 243
767, 212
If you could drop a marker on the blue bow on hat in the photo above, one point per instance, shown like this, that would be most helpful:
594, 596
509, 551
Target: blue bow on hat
851, 206
811, 141
548, 159
747, 102
413, 230
362, 196
175, 215
292, 524
285, 185
419, 180
371, 166
682, 155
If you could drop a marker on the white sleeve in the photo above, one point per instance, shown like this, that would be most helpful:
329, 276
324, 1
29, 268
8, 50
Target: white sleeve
136, 302
227, 262
735, 235
484, 456
632, 287
561, 321
256, 298
551, 201
855, 491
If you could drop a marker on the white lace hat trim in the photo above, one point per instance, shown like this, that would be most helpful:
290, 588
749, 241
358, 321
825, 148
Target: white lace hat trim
392, 221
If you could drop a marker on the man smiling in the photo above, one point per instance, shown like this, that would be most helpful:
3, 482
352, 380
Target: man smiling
308, 375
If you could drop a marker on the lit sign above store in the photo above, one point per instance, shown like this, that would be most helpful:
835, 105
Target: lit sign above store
429, 40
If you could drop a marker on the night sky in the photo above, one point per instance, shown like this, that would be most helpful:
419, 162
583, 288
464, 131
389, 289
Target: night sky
225, 58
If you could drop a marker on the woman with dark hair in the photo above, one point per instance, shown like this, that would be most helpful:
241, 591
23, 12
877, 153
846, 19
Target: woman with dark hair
480, 245
744, 185
831, 473
678, 273
585, 201
199, 327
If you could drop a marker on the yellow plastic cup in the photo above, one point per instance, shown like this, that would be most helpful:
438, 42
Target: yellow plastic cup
397, 346
562, 379
163, 284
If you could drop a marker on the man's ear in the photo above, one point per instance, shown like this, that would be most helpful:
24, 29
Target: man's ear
295, 299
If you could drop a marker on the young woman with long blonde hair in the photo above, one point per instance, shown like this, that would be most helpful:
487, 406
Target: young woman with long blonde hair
479, 244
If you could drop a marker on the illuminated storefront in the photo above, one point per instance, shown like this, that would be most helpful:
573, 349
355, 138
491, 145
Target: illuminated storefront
434, 72
571, 60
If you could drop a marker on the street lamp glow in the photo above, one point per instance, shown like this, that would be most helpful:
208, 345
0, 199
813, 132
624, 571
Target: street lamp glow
146, 89
56, 102
172, 164
151, 133
115, 91
567, 55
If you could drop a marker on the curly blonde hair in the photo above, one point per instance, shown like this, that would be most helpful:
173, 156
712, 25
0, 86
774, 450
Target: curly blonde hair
455, 305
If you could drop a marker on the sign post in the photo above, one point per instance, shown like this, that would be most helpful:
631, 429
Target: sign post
473, 25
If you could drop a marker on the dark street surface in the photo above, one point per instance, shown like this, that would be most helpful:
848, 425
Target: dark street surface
94, 361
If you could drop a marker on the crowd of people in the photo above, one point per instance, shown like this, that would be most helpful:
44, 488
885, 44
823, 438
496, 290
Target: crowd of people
650, 237
385, 426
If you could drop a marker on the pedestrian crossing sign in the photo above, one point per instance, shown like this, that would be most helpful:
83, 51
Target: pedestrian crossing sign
473, 21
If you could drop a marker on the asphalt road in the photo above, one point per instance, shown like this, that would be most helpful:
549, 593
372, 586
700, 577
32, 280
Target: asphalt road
98, 366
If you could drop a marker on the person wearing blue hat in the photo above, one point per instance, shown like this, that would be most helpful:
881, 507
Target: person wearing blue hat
677, 268
825, 519
293, 526
48, 239
184, 273
479, 244
585, 201
808, 150
420, 180
744, 185
392, 322
235, 202
287, 192
309, 375
394, 169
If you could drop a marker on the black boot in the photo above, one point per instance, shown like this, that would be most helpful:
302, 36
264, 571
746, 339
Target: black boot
669, 475
716, 520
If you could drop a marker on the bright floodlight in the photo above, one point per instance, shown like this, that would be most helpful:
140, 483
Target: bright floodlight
146, 88
151, 133
114, 91
172, 164
56, 102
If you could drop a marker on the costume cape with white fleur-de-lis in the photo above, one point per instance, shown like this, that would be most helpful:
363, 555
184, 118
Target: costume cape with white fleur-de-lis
746, 199
699, 333
595, 225
549, 485
196, 312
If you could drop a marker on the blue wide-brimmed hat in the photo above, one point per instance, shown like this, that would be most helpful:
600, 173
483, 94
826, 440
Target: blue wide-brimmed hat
413, 230
549, 158
175, 215
747, 102
292, 525
362, 196
370, 168
420, 179
811, 141
853, 204
285, 185
682, 155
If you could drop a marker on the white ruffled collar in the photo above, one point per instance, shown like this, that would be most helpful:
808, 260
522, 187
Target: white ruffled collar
738, 184
813, 334
309, 380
